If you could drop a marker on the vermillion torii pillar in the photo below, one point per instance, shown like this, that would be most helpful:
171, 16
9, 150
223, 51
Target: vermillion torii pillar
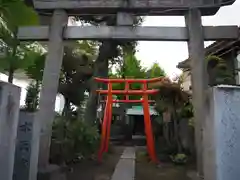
107, 120
194, 33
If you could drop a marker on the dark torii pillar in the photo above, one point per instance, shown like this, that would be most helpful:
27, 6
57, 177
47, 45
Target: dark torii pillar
198, 79
44, 118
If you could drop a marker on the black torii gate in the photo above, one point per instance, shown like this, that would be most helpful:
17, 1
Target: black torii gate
58, 31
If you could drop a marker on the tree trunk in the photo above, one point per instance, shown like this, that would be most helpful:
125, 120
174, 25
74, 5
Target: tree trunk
166, 133
11, 69
36, 98
100, 70
166, 127
80, 111
10, 74
176, 132
67, 106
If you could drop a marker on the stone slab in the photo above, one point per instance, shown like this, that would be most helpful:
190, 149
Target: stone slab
193, 175
9, 111
125, 168
128, 153
222, 134
23, 146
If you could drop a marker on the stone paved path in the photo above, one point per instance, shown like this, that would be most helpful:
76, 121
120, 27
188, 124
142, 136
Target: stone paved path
125, 168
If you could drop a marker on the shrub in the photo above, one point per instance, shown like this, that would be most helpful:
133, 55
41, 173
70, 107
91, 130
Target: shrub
73, 139
179, 158
32, 97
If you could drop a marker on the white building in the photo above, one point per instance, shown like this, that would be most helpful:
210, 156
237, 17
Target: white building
227, 50
186, 85
22, 81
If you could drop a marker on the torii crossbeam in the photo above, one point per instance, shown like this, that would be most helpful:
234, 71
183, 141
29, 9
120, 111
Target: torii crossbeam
106, 124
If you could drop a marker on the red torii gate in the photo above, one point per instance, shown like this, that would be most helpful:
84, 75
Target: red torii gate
106, 124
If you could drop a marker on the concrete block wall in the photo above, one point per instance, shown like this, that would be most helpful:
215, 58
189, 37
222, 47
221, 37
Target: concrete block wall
221, 134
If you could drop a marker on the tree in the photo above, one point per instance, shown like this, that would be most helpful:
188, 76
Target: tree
35, 67
109, 51
77, 68
156, 71
218, 71
131, 68
34, 70
14, 13
170, 99
32, 97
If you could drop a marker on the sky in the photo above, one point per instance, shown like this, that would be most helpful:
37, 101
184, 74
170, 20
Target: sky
167, 54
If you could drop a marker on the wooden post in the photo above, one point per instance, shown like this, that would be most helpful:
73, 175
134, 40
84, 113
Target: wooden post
198, 78
45, 116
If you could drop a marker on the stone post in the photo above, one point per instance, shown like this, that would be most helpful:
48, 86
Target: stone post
222, 134
198, 78
9, 111
43, 127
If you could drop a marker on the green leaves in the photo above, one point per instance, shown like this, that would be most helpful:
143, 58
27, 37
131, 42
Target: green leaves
16, 62
88, 48
15, 13
132, 68
21, 59
75, 138
32, 97
156, 71
218, 71
4, 63
170, 96
35, 65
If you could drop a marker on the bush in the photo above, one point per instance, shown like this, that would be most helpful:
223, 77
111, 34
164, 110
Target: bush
73, 140
179, 158
32, 97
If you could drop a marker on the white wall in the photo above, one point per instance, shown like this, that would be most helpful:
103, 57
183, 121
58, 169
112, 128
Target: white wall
186, 81
23, 84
